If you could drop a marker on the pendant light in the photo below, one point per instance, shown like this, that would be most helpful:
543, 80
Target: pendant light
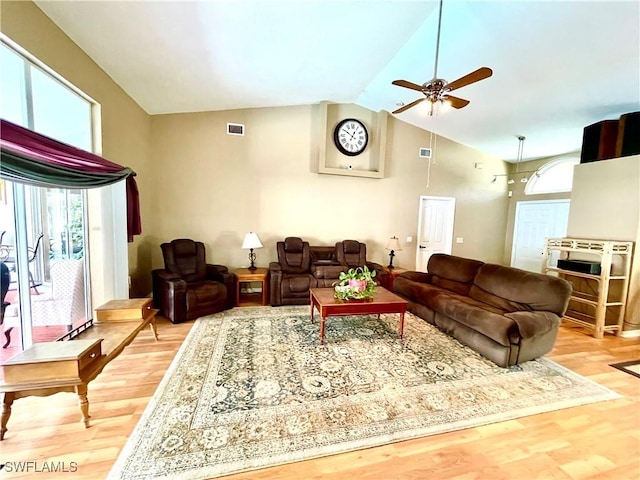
521, 140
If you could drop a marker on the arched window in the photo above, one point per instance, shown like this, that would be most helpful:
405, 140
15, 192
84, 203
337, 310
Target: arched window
553, 177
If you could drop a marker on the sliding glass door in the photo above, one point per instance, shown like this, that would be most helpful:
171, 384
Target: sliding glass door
43, 248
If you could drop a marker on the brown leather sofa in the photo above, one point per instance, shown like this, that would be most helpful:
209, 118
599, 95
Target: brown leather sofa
506, 314
188, 287
301, 267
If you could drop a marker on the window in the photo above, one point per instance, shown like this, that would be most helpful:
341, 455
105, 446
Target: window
43, 229
554, 177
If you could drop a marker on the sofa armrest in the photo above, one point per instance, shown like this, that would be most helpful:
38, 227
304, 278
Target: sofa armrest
534, 324
164, 275
220, 273
421, 277
217, 273
275, 282
169, 293
214, 269
275, 267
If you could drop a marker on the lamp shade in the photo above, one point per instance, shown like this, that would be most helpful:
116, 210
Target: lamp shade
251, 240
393, 244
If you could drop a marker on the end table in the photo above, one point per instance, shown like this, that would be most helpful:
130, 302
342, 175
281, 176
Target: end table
390, 275
259, 275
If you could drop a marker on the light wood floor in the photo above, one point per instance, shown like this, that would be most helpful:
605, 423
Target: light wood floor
600, 440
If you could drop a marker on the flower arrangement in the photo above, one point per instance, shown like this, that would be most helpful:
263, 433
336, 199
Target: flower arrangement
356, 283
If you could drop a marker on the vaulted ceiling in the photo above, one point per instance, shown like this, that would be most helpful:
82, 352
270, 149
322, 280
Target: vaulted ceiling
557, 66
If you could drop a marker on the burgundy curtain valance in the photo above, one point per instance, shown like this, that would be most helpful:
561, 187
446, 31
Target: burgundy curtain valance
31, 158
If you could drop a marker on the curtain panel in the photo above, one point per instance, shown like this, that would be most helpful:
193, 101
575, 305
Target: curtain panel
34, 159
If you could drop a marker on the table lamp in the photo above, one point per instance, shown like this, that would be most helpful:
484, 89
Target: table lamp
394, 246
250, 242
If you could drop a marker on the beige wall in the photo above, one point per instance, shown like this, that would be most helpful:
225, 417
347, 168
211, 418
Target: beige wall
518, 195
217, 187
196, 181
125, 126
605, 205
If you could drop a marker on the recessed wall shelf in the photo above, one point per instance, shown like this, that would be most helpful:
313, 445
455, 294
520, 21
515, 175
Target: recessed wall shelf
371, 162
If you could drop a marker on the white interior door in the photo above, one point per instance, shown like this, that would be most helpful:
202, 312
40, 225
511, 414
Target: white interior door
435, 228
535, 222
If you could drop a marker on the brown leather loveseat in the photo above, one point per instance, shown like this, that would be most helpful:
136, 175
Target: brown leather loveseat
506, 314
301, 267
346, 254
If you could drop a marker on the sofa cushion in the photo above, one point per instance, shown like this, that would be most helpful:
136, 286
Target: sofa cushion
525, 290
439, 304
535, 324
293, 255
351, 253
453, 273
201, 295
423, 293
331, 272
497, 327
297, 285
488, 298
324, 254
416, 276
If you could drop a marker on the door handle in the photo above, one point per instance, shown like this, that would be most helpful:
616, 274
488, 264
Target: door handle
421, 247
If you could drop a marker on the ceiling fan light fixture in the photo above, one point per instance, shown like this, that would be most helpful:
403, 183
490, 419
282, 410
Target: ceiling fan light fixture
425, 108
437, 89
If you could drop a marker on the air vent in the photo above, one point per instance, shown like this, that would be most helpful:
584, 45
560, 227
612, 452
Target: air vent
424, 152
235, 129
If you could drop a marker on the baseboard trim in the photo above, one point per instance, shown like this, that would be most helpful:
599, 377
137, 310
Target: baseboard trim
630, 334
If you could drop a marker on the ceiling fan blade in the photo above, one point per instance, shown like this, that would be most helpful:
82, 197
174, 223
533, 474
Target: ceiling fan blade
408, 106
406, 84
470, 78
456, 102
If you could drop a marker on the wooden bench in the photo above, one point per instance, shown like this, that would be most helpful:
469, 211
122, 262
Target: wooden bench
45, 369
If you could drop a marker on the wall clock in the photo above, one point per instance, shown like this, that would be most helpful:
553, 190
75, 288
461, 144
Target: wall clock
351, 137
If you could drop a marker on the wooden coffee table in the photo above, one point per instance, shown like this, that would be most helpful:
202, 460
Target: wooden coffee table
383, 301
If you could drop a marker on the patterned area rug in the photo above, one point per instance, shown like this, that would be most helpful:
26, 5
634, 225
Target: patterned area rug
252, 388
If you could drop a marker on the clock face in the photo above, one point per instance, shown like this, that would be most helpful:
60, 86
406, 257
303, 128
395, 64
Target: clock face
351, 137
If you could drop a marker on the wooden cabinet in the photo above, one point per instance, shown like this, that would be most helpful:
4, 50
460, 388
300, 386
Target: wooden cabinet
245, 296
599, 299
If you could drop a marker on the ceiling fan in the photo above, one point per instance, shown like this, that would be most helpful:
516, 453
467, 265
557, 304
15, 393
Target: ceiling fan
437, 89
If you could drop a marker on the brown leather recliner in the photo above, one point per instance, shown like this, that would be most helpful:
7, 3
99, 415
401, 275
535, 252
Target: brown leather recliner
188, 287
353, 254
291, 276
